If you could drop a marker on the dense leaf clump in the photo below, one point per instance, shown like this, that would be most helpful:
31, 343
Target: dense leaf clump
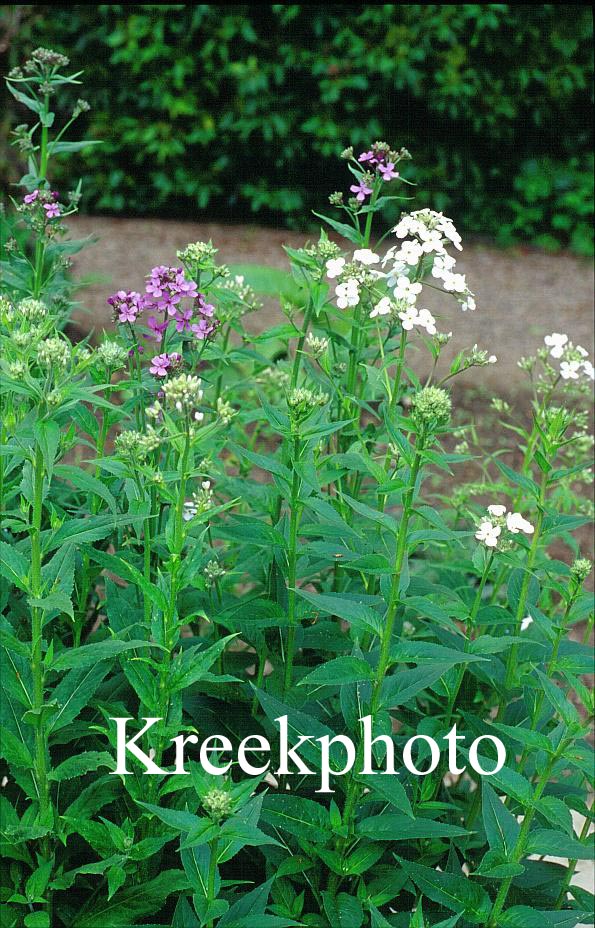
243, 108
210, 536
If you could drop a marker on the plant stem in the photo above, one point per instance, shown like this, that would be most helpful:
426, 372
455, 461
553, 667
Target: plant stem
37, 669
519, 849
297, 359
468, 632
571, 868
214, 848
353, 789
294, 521
520, 612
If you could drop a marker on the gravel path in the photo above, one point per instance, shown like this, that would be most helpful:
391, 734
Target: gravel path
522, 294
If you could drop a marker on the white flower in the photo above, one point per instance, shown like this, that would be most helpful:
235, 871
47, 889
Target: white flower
347, 293
443, 264
468, 303
555, 343
492, 359
496, 510
515, 524
426, 320
527, 621
488, 533
334, 267
410, 252
382, 307
582, 351
455, 282
569, 370
408, 318
589, 370
189, 511
406, 290
365, 256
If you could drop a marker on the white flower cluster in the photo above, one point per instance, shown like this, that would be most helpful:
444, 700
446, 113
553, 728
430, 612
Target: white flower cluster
347, 290
407, 312
184, 393
201, 502
574, 361
490, 530
427, 232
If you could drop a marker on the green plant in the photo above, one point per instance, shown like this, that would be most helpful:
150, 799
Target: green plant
230, 107
204, 547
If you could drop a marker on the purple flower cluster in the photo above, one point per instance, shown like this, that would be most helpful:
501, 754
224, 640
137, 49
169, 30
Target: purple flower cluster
166, 288
162, 364
48, 202
127, 305
378, 158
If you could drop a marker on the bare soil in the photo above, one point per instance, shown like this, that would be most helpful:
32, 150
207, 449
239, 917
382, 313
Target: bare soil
522, 294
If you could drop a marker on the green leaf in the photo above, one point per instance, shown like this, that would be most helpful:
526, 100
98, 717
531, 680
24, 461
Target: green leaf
37, 920
298, 816
47, 434
455, 892
14, 566
338, 671
501, 827
74, 691
391, 827
90, 654
557, 844
89, 484
80, 764
359, 614
399, 688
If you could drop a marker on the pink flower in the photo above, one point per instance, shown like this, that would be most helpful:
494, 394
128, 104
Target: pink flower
183, 319
31, 197
361, 191
368, 156
387, 171
52, 210
127, 305
160, 365
157, 328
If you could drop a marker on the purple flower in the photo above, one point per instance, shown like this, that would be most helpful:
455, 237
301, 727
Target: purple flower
52, 210
167, 286
361, 191
31, 197
127, 305
387, 171
157, 328
368, 156
203, 328
160, 365
205, 309
183, 319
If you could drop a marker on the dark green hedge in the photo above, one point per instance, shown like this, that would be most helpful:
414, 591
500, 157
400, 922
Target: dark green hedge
243, 108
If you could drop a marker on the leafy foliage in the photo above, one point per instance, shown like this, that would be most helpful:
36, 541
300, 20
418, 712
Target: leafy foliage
232, 107
282, 537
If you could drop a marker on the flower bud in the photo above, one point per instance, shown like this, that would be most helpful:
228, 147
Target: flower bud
432, 405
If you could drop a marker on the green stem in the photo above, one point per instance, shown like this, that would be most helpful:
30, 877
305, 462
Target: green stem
37, 669
468, 632
294, 521
214, 848
353, 789
297, 359
519, 849
571, 868
511, 663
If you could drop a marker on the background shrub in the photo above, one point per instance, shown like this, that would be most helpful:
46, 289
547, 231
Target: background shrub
227, 107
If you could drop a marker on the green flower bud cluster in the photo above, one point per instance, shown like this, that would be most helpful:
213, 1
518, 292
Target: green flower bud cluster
302, 402
218, 804
137, 445
183, 392
54, 352
32, 310
432, 405
580, 570
111, 355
